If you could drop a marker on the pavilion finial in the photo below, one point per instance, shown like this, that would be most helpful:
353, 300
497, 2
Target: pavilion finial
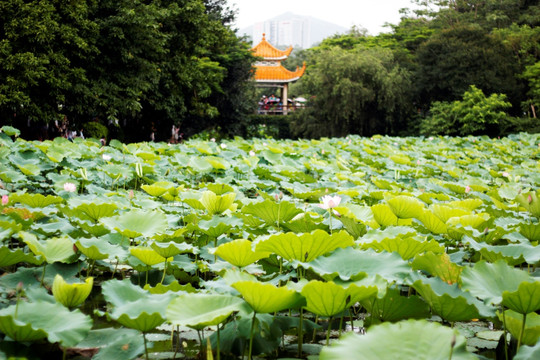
264, 36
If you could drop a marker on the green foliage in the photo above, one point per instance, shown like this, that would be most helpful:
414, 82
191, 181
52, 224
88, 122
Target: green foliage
475, 114
95, 130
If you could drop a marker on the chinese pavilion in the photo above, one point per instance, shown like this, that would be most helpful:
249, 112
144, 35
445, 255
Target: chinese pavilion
270, 73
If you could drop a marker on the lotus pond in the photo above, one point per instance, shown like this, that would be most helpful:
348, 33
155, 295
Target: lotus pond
349, 248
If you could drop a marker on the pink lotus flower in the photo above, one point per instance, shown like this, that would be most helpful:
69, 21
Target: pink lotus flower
223, 146
251, 153
329, 202
467, 189
5, 200
505, 174
70, 187
106, 157
213, 139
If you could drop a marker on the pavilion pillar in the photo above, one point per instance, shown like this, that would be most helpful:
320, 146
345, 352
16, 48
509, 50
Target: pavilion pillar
285, 98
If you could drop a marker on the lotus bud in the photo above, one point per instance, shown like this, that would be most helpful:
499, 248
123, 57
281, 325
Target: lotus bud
467, 189
70, 187
5, 200
131, 194
529, 199
19, 287
71, 295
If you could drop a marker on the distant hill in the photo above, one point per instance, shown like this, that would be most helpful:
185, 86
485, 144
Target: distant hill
305, 31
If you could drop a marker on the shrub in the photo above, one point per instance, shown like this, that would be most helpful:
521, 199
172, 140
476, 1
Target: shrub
95, 130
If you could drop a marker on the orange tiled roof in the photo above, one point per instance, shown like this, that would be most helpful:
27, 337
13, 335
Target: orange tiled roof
266, 51
277, 73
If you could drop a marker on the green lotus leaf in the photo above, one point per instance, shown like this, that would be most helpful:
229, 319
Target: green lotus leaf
53, 250
201, 310
218, 163
171, 248
445, 212
329, 299
528, 352
527, 200
29, 169
71, 295
513, 254
218, 225
219, 188
514, 323
525, 300
467, 204
488, 281
9, 228
308, 222
99, 249
353, 264
134, 307
11, 257
158, 188
239, 253
531, 231
137, 222
96, 211
267, 298
175, 287
10, 131
354, 227
57, 322
305, 247
475, 221
406, 247
36, 200
405, 207
147, 255
433, 223
438, 265
272, 212
412, 340
217, 204
393, 307
383, 214
449, 301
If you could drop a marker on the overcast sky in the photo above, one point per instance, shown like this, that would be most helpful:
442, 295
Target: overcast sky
369, 14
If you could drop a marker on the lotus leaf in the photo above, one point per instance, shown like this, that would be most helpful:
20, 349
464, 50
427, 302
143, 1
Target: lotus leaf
218, 225
475, 221
488, 281
71, 295
394, 307
99, 249
525, 300
12, 257
272, 212
201, 310
137, 222
147, 255
158, 188
305, 247
514, 324
96, 211
412, 339
467, 204
530, 202
239, 253
329, 299
406, 247
444, 212
171, 248
36, 200
217, 204
528, 352
352, 264
513, 254
383, 214
267, 298
405, 207
55, 249
34, 319
432, 222
450, 302
10, 131
135, 307
438, 265
175, 287
531, 231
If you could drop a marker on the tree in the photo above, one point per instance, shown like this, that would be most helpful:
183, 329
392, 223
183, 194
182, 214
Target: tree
532, 75
362, 91
453, 59
475, 114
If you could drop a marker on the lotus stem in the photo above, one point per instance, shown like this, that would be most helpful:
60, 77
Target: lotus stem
251, 335
91, 268
328, 330
218, 351
452, 344
300, 332
164, 271
341, 322
521, 332
43, 275
504, 334
145, 346
330, 219
314, 329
